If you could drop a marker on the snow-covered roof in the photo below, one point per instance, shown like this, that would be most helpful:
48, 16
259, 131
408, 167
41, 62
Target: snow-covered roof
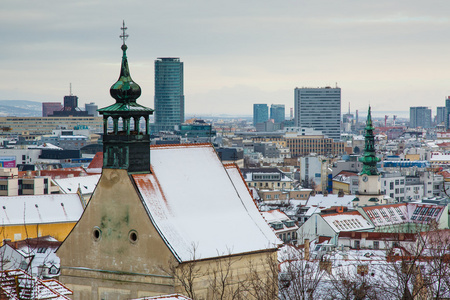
331, 200
165, 297
46, 146
387, 214
41, 209
87, 184
194, 201
25, 284
347, 221
274, 216
383, 215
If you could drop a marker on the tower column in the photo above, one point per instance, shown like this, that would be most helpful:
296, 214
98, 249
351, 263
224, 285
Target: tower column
105, 126
116, 125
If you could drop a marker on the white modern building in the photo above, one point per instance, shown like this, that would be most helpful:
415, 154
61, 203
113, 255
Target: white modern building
319, 108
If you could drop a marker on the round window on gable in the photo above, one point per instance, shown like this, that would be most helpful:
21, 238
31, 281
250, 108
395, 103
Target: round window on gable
133, 236
96, 234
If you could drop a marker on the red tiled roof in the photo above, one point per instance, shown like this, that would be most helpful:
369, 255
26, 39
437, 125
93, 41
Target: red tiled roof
97, 161
366, 208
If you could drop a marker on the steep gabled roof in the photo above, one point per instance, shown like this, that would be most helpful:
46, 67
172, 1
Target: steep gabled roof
197, 203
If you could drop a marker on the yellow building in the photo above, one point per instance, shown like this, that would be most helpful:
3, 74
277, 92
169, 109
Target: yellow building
34, 216
305, 145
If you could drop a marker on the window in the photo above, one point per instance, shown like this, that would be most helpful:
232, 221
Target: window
357, 244
268, 196
391, 185
376, 245
397, 182
41, 250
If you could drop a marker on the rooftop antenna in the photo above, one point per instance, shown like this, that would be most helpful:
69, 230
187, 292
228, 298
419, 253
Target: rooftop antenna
70, 89
349, 108
336, 85
123, 36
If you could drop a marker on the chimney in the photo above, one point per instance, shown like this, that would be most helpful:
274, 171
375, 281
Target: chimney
307, 249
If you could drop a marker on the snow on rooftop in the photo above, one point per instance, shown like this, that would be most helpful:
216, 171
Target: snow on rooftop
87, 184
166, 297
54, 208
274, 216
387, 214
347, 221
47, 146
197, 203
331, 200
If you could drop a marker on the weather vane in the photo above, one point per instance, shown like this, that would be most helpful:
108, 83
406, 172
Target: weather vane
124, 36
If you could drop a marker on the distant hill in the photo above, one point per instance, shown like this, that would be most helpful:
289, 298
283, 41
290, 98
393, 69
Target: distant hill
20, 108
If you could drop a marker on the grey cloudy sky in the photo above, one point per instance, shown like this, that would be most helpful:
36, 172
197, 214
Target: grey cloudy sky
391, 54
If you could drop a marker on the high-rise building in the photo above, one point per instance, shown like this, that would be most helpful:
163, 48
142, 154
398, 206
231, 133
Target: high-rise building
169, 93
70, 108
419, 116
440, 115
49, 107
447, 112
319, 108
260, 113
277, 113
91, 109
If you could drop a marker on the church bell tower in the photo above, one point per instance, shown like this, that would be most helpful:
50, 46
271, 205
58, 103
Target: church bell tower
369, 189
127, 145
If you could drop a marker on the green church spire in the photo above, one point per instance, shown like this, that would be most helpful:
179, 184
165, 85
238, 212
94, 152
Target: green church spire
127, 144
125, 90
369, 158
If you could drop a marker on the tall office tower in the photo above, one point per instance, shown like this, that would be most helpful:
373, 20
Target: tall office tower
91, 109
419, 116
319, 108
49, 107
447, 112
260, 113
277, 113
440, 115
169, 93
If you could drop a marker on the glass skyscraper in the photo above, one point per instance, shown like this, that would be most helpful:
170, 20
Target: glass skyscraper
169, 93
277, 113
319, 108
260, 113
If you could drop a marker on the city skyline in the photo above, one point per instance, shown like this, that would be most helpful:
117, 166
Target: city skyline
388, 55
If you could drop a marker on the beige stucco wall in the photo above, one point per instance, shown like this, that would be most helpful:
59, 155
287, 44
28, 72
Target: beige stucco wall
252, 274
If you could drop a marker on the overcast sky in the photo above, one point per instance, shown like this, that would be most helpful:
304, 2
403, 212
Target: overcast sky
391, 54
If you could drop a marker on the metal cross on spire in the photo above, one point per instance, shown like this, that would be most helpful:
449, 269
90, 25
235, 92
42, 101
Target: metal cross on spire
124, 36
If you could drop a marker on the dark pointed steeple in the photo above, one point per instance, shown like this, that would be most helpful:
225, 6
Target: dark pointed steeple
127, 146
369, 158
125, 90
